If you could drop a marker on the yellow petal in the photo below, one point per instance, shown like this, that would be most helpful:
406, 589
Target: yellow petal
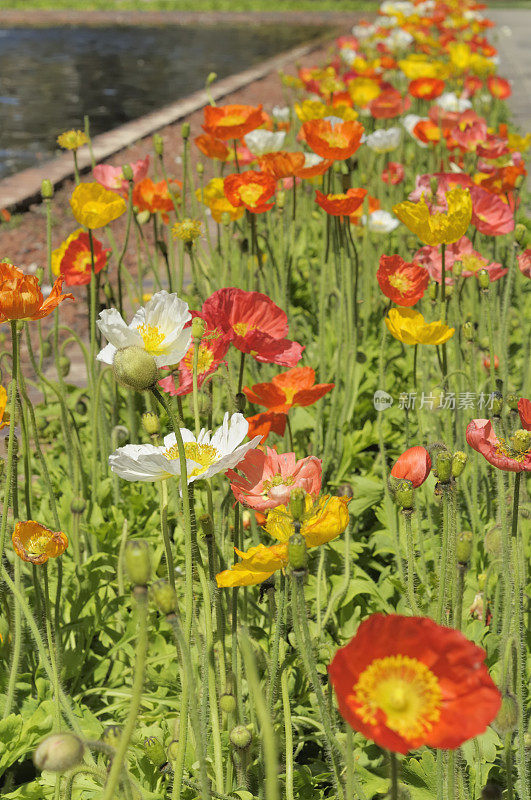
256, 565
328, 520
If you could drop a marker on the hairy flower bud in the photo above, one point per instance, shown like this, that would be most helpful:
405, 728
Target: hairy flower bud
151, 423
506, 720
297, 553
138, 561
469, 331
493, 541
497, 403
158, 144
142, 217
164, 597
46, 189
465, 541
135, 368
207, 525
127, 172
458, 463
155, 751
78, 505
240, 737
457, 269
185, 130
227, 703
198, 328
241, 402
59, 752
64, 365
443, 466
483, 280
433, 291
520, 233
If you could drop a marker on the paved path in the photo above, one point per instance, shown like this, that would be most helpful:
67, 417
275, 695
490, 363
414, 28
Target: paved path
515, 58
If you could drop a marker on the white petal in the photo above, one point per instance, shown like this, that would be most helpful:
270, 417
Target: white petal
115, 330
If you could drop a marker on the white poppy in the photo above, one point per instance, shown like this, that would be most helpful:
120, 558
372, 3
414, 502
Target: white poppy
384, 140
363, 31
334, 120
261, 142
281, 113
206, 454
450, 101
398, 40
158, 328
348, 55
311, 160
382, 222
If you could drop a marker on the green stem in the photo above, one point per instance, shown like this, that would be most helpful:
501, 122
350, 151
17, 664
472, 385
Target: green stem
394, 776
165, 532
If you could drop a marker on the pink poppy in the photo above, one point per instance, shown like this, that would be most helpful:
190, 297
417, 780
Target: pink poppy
394, 173
270, 477
490, 214
524, 263
492, 147
462, 251
112, 178
212, 350
470, 131
444, 182
524, 409
512, 456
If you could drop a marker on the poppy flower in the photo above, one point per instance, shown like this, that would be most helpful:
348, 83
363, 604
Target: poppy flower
490, 215
362, 90
381, 221
94, 206
486, 362
36, 544
261, 142
427, 132
232, 121
404, 682
384, 140
269, 478
438, 228
426, 88
296, 387
313, 166
73, 258
212, 147
389, 104
213, 196
112, 178
524, 410
409, 327
339, 205
335, 142
153, 197
212, 350
499, 87
3, 403
524, 263
265, 423
394, 173
282, 164
413, 465
72, 140
473, 84
469, 132
324, 520
459, 253
256, 325
250, 189
21, 296
513, 455
403, 282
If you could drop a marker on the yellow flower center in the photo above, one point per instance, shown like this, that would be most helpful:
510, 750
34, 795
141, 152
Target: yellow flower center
37, 545
277, 480
473, 263
519, 448
231, 119
250, 194
400, 282
205, 358
82, 262
335, 138
407, 692
152, 338
203, 454
241, 328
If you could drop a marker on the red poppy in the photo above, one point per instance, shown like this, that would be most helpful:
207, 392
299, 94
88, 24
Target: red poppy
524, 409
472, 85
524, 263
404, 682
389, 104
265, 423
513, 455
394, 173
426, 88
502, 180
255, 325
213, 348
339, 205
427, 131
281, 165
76, 262
333, 142
250, 189
153, 197
404, 283
492, 147
499, 87
232, 121
490, 214
296, 387
413, 465
212, 147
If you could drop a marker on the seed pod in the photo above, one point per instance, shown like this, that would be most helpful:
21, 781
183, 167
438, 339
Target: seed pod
138, 561
198, 328
227, 703
59, 752
443, 466
403, 492
297, 503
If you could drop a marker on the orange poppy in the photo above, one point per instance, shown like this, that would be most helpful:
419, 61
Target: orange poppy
232, 121
427, 131
212, 147
404, 682
250, 189
499, 87
313, 170
21, 296
404, 283
153, 197
389, 104
334, 142
472, 84
426, 88
296, 387
73, 259
36, 544
265, 423
339, 205
413, 465
281, 165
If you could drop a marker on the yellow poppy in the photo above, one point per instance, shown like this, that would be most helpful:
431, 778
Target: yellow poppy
409, 327
213, 196
36, 544
418, 65
3, 403
363, 90
438, 228
94, 206
72, 140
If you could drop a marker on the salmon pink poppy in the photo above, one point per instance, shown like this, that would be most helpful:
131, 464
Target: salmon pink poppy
335, 142
281, 164
426, 88
254, 323
524, 409
389, 104
394, 173
413, 465
469, 132
512, 455
212, 350
499, 87
403, 282
490, 215
404, 682
232, 121
265, 423
524, 263
112, 178
296, 387
212, 147
462, 252
250, 189
21, 296
338, 205
269, 478
492, 147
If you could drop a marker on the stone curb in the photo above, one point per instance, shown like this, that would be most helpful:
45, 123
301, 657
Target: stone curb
18, 191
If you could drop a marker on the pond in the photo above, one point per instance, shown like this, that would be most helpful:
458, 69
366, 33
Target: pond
51, 77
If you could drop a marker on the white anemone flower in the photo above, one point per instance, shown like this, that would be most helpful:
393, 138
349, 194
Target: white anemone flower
206, 454
158, 328
262, 142
382, 222
384, 140
450, 101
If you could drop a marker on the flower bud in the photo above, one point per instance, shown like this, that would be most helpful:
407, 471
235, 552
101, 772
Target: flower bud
138, 561
482, 579
227, 703
520, 233
59, 752
185, 130
345, 490
449, 290
158, 144
240, 737
465, 540
483, 279
207, 526
443, 466
297, 503
155, 751
151, 423
497, 403
241, 402
521, 440
457, 269
78, 505
297, 553
281, 199
493, 541
142, 217
135, 368
469, 331
46, 349
512, 401
119, 435
46, 189
433, 290
127, 172
111, 735
506, 720
458, 463
403, 492
164, 597
211, 77
64, 365
198, 328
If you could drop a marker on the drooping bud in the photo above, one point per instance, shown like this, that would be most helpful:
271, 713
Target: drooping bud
185, 130
227, 703
211, 77
465, 540
46, 349
46, 189
111, 735
240, 402
493, 541
173, 750
483, 280
403, 492
443, 466
64, 365
469, 331
240, 737
458, 463
59, 752
198, 328
155, 751
164, 597
506, 720
298, 553
158, 144
151, 423
135, 368
137, 561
